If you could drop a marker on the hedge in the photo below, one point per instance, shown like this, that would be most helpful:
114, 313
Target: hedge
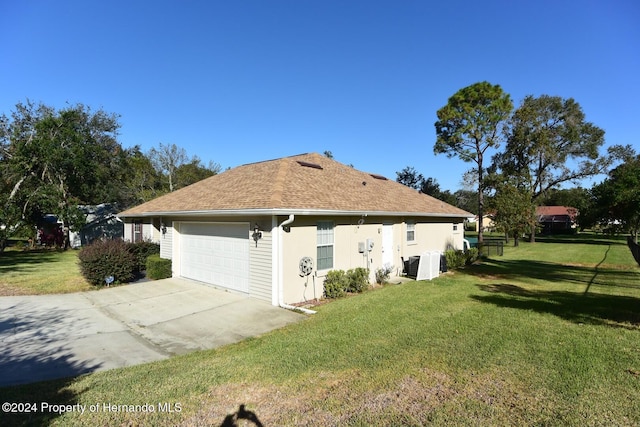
158, 268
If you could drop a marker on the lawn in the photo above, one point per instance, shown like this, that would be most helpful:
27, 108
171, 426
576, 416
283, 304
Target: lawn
37, 272
548, 334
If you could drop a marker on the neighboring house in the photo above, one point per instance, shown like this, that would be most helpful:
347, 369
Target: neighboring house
557, 219
249, 229
487, 223
101, 222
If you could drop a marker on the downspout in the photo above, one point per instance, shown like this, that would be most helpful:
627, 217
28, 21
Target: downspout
280, 270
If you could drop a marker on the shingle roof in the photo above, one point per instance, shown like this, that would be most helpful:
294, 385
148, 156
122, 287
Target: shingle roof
306, 182
546, 211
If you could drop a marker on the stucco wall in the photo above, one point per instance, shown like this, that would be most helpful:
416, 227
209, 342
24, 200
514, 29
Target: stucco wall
430, 235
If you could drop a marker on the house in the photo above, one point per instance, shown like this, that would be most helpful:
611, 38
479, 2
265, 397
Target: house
487, 223
101, 222
273, 229
557, 219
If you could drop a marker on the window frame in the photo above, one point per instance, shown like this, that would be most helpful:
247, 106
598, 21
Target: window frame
411, 228
325, 229
137, 232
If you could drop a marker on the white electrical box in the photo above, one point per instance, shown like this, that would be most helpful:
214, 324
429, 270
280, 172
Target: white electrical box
361, 247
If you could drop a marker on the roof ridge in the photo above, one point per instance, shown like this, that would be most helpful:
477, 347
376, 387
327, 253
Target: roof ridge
279, 183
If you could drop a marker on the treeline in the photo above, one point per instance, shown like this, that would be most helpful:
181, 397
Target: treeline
54, 160
521, 157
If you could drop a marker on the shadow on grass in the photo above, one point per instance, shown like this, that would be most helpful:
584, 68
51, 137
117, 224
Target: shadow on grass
29, 355
18, 261
531, 271
592, 308
587, 239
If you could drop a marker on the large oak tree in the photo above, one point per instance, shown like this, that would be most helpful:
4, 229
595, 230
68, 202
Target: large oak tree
54, 160
550, 143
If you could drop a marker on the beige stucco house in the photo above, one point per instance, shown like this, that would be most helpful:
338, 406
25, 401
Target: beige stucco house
249, 228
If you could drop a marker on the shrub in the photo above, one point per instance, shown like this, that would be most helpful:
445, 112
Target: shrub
158, 268
335, 284
357, 279
104, 258
142, 250
471, 255
455, 259
382, 275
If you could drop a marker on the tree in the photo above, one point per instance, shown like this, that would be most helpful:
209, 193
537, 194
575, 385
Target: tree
544, 134
53, 161
166, 159
194, 171
514, 210
618, 197
410, 177
469, 125
466, 200
141, 181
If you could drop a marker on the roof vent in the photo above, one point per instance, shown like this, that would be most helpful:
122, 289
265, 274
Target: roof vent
380, 177
309, 165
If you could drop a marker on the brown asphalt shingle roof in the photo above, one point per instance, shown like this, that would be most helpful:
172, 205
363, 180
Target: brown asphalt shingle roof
288, 184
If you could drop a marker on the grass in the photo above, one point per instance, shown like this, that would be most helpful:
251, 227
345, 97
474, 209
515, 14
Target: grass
40, 272
549, 334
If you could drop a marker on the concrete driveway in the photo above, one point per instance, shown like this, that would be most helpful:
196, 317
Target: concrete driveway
54, 336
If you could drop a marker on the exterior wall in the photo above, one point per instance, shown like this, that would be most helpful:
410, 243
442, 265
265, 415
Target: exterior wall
260, 263
150, 229
166, 242
431, 234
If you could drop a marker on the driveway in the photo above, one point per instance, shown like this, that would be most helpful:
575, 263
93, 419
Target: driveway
54, 336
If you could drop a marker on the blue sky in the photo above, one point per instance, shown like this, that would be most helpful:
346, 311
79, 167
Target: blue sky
243, 81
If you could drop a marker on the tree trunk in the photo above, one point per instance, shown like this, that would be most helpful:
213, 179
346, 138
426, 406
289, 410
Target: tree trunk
532, 239
480, 200
516, 240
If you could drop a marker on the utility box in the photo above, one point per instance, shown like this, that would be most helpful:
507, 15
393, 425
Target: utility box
361, 247
429, 266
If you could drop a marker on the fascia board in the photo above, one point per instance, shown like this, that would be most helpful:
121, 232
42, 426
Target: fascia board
301, 212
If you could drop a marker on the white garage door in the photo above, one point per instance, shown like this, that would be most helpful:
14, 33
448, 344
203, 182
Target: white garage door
216, 253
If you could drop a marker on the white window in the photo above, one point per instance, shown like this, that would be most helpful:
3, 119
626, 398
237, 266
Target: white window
137, 231
325, 245
411, 232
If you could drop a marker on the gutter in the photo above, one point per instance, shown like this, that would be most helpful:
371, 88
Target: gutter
231, 212
280, 267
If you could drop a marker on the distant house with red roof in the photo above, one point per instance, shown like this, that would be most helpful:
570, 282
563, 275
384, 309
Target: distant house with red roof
557, 219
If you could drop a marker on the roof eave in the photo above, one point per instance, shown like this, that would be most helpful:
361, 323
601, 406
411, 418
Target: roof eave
302, 212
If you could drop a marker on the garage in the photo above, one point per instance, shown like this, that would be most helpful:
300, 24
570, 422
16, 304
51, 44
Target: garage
216, 253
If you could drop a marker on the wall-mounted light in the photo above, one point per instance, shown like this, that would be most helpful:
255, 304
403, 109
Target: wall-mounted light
257, 234
163, 228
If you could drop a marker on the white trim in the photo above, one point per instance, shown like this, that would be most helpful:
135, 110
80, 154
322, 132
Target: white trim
285, 212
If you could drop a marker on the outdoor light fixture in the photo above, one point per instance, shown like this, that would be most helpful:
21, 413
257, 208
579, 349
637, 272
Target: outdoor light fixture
257, 234
163, 228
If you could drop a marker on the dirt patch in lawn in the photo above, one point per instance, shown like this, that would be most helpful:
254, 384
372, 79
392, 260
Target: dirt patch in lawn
426, 397
6, 290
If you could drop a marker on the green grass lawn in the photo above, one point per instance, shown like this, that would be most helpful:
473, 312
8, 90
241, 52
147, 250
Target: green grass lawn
38, 272
548, 334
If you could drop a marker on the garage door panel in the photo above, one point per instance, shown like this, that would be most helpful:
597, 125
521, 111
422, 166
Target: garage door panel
217, 254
